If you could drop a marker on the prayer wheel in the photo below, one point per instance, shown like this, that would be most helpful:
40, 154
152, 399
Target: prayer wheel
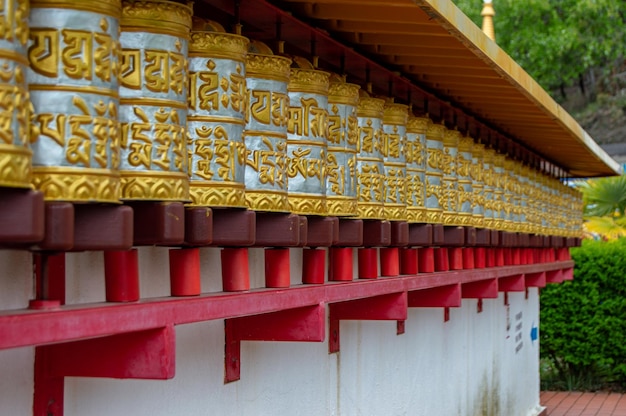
216, 119
153, 100
525, 215
15, 155
307, 140
395, 117
265, 134
508, 203
464, 163
370, 165
343, 139
415, 151
488, 187
449, 183
478, 185
73, 82
434, 173
499, 183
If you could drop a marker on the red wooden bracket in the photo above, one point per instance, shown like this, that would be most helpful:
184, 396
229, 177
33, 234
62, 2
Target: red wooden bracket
568, 274
480, 289
436, 297
148, 354
305, 324
389, 307
536, 279
515, 283
555, 276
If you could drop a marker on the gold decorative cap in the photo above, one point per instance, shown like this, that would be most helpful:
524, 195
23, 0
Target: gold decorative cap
159, 15
478, 149
395, 113
418, 125
370, 107
109, 7
466, 143
268, 67
343, 93
435, 132
451, 138
218, 44
309, 80
199, 24
260, 48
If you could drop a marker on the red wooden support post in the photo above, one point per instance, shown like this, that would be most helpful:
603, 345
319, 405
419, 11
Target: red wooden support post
313, 265
480, 257
555, 276
185, 272
455, 255
480, 289
341, 264
121, 275
468, 257
389, 261
49, 270
389, 307
426, 259
436, 297
277, 273
305, 324
442, 261
235, 269
368, 263
536, 279
408, 261
515, 283
499, 257
568, 274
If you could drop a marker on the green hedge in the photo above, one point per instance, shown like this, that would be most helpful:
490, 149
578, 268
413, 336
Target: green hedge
583, 322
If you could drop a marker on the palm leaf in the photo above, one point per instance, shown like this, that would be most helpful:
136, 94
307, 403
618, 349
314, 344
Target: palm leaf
606, 227
604, 196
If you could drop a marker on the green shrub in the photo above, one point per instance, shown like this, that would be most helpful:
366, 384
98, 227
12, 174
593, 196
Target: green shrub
583, 322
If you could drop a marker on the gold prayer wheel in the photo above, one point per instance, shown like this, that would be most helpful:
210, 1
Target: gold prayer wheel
217, 106
415, 151
435, 200
15, 155
370, 165
508, 203
343, 139
449, 182
265, 134
464, 163
489, 185
395, 117
307, 141
499, 183
525, 214
73, 82
478, 186
153, 100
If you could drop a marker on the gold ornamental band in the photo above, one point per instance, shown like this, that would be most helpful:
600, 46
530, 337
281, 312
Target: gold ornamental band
343, 93
153, 102
268, 67
395, 114
156, 16
270, 201
14, 56
217, 194
465, 218
395, 212
78, 89
218, 45
370, 107
15, 166
450, 218
418, 125
306, 204
263, 133
370, 211
416, 214
217, 119
309, 81
308, 143
59, 183
112, 8
434, 216
154, 186
478, 221
342, 150
341, 206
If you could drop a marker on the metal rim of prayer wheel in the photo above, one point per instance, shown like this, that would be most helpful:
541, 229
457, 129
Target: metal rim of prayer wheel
416, 168
435, 133
341, 198
15, 155
395, 118
370, 168
307, 146
216, 144
75, 100
166, 178
268, 191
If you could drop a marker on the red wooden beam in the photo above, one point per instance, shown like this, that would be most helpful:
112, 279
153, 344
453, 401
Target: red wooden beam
536, 279
436, 297
515, 283
481, 289
304, 324
391, 306
555, 276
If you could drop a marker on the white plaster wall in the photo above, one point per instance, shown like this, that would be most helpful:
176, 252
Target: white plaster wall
467, 366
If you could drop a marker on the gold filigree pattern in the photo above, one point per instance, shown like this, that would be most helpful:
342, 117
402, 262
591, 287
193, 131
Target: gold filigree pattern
337, 206
414, 214
263, 201
343, 93
308, 80
15, 166
160, 16
395, 212
370, 107
109, 7
434, 216
307, 204
154, 186
268, 67
371, 211
218, 45
77, 185
217, 194
395, 113
418, 125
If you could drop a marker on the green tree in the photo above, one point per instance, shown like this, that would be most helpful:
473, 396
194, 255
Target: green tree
604, 206
557, 41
